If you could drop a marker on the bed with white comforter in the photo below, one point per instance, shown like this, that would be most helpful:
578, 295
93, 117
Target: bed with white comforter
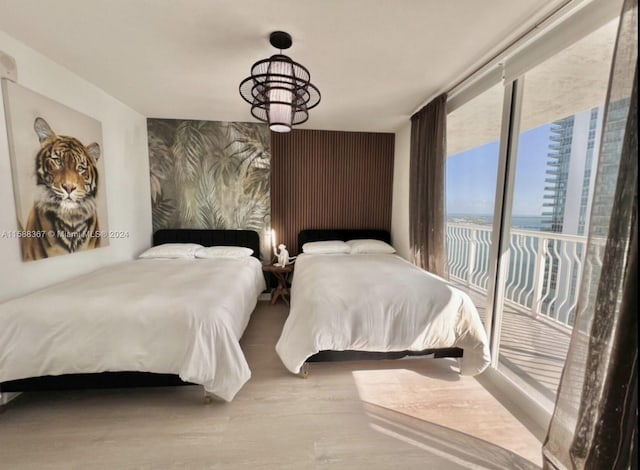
377, 302
171, 316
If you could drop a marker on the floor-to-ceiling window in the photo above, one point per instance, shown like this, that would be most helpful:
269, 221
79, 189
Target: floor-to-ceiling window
558, 150
543, 158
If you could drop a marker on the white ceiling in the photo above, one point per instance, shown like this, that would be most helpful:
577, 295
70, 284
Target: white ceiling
374, 61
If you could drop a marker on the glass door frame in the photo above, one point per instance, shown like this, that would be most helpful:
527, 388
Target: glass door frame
505, 182
537, 414
498, 263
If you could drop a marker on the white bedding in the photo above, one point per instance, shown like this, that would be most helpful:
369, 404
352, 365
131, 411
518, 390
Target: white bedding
377, 302
174, 316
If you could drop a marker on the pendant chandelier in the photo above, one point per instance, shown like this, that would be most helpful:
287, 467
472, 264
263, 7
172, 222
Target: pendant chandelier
279, 90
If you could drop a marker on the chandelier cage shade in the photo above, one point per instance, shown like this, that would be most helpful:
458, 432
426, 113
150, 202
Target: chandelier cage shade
279, 90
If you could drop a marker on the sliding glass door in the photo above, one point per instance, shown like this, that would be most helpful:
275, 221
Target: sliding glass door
520, 177
558, 149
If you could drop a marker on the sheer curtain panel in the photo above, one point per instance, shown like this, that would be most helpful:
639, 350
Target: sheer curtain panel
594, 425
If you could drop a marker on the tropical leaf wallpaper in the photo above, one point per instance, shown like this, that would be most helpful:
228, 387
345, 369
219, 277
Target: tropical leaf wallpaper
211, 175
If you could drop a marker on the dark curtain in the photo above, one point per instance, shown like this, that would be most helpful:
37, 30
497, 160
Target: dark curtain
594, 424
427, 187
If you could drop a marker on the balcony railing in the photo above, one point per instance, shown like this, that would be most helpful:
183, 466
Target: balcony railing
544, 268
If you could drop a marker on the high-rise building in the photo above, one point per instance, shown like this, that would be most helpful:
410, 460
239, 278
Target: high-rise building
609, 163
576, 155
573, 153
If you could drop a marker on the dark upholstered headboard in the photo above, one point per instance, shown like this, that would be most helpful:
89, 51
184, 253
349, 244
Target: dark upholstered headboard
318, 235
247, 238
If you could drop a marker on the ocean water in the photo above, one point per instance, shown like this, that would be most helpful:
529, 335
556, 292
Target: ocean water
522, 222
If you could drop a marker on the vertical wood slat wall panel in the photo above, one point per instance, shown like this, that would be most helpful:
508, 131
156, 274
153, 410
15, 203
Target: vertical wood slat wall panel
330, 179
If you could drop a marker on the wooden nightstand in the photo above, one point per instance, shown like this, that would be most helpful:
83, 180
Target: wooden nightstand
282, 275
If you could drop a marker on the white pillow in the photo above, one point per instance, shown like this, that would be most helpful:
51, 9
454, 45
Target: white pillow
370, 246
172, 250
325, 247
223, 252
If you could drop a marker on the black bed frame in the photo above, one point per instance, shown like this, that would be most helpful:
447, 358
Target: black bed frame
316, 235
247, 238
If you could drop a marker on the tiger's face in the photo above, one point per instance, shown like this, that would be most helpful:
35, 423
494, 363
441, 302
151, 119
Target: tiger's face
65, 167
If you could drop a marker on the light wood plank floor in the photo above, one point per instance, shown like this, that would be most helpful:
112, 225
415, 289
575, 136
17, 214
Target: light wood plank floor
409, 414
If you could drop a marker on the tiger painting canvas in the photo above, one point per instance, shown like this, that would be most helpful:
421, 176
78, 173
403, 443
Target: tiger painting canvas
56, 158
64, 214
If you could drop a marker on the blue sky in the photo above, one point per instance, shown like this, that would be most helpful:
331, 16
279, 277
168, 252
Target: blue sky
471, 176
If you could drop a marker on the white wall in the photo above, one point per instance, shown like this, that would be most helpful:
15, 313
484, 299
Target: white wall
126, 163
400, 207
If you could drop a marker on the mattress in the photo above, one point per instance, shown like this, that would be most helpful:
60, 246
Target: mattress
172, 316
377, 303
